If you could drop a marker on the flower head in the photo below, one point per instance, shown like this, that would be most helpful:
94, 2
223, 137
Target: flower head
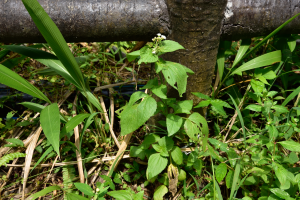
163, 37
154, 52
158, 34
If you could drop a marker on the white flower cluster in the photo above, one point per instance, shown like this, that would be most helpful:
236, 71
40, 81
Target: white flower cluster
159, 37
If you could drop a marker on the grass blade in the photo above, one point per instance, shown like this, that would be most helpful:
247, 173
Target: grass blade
44, 192
42, 157
13, 80
235, 179
54, 38
242, 50
291, 96
70, 125
51, 125
263, 60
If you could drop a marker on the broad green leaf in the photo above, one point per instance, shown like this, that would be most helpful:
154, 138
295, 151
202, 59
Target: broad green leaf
280, 172
51, 125
176, 155
280, 109
85, 188
166, 142
169, 46
160, 91
291, 145
38, 108
46, 153
293, 158
198, 166
72, 123
280, 193
242, 50
44, 192
183, 107
139, 196
160, 192
263, 60
156, 165
147, 56
291, 96
218, 105
54, 38
134, 116
13, 80
221, 172
257, 86
73, 196
150, 139
174, 123
174, 73
273, 133
255, 108
133, 55
202, 123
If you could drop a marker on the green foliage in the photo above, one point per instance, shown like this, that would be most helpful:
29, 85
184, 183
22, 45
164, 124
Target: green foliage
5, 159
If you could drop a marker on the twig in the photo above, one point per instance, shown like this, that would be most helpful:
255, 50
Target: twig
114, 85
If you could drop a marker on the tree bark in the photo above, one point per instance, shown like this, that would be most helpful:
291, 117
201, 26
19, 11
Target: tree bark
246, 19
196, 25
87, 20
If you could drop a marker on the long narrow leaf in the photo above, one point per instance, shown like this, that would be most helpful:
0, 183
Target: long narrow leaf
291, 96
51, 125
242, 50
44, 192
224, 45
235, 179
263, 60
13, 80
42, 157
54, 38
70, 125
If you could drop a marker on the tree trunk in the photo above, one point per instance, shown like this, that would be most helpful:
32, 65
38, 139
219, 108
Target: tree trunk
87, 20
196, 25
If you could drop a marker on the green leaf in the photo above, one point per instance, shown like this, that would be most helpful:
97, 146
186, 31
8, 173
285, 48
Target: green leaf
169, 46
221, 172
229, 179
235, 179
134, 116
13, 80
133, 55
160, 91
15, 142
166, 142
201, 96
280, 109
224, 45
54, 38
176, 155
43, 156
203, 104
150, 139
291, 145
51, 125
293, 158
218, 106
174, 73
291, 96
257, 86
147, 56
160, 192
72, 123
85, 188
139, 196
280, 193
44, 192
156, 165
73, 196
183, 107
280, 172
174, 123
38, 108
253, 107
198, 166
291, 41
242, 50
263, 60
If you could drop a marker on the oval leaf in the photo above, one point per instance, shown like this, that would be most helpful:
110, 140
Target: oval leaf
156, 164
174, 123
291, 145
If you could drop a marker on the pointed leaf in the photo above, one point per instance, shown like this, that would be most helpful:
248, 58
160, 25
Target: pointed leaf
176, 155
263, 60
13, 80
242, 50
291, 145
160, 192
72, 123
85, 188
169, 46
51, 125
44, 192
174, 123
221, 172
120, 195
156, 165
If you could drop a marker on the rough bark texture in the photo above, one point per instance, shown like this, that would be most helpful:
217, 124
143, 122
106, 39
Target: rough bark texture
250, 18
87, 20
196, 24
